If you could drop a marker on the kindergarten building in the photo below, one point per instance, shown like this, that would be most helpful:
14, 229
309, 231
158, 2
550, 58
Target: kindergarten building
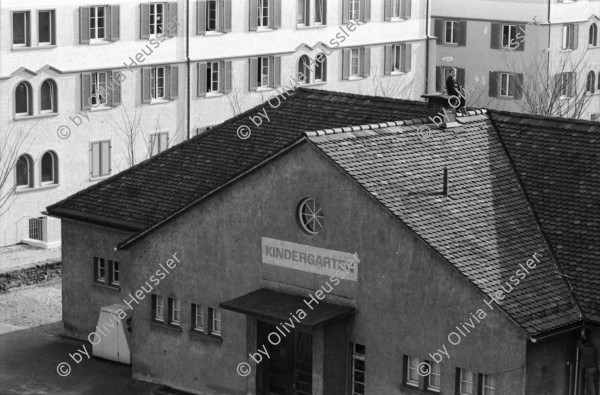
336, 251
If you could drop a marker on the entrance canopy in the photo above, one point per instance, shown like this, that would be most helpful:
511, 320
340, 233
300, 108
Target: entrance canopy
272, 306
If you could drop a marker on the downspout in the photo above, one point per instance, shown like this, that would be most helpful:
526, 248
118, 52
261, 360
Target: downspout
549, 42
427, 48
188, 65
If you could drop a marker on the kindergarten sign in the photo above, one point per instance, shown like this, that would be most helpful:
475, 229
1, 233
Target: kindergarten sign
308, 259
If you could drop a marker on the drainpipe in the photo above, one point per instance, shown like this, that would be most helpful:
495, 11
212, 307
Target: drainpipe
549, 34
427, 48
188, 64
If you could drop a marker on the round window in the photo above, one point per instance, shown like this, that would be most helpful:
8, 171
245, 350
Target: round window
310, 216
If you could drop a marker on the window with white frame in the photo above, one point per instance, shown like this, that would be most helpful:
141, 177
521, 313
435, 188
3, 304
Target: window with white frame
411, 372
320, 12
49, 168
434, 377
451, 36
157, 18
100, 158
509, 36
507, 84
567, 36
158, 308
24, 169
21, 29
355, 62
354, 9
590, 84
157, 83
565, 84
593, 35
488, 385
114, 272
263, 13
98, 23
263, 71
215, 321
23, 100
99, 90
320, 67
396, 58
99, 270
158, 142
46, 28
197, 318
212, 16
174, 311
212, 77
396, 9
48, 96
465, 385
306, 18
358, 369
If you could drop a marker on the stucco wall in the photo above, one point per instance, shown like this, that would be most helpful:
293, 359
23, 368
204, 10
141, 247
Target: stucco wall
408, 299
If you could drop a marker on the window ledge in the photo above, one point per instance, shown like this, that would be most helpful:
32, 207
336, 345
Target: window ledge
48, 186
450, 44
94, 179
43, 46
99, 42
100, 108
159, 101
355, 78
264, 89
566, 50
213, 33
154, 325
316, 83
106, 286
20, 190
264, 29
412, 390
26, 117
304, 27
397, 19
214, 94
201, 336
395, 73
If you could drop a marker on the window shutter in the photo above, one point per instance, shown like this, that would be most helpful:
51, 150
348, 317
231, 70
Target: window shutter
521, 39
253, 23
324, 67
438, 30
557, 84
345, 11
105, 158
345, 64
324, 16
202, 88
115, 25
406, 57
387, 60
572, 83
365, 10
519, 86
511, 85
460, 76
366, 62
86, 91
201, 17
406, 9
493, 89
171, 24
115, 92
276, 71
462, 33
146, 85
457, 381
173, 82
574, 36
307, 17
387, 10
253, 70
164, 141
495, 36
84, 25
145, 20
228, 76
438, 79
95, 266
276, 8
226, 15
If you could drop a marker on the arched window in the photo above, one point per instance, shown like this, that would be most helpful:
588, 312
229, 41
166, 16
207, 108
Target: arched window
590, 86
24, 172
49, 168
321, 67
304, 69
593, 41
23, 99
49, 96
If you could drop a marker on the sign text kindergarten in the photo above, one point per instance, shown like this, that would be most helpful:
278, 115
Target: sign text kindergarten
308, 259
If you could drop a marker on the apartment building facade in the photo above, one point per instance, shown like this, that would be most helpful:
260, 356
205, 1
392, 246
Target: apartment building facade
530, 55
87, 91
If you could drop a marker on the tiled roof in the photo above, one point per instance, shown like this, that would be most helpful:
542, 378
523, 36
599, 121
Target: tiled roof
144, 195
485, 228
558, 162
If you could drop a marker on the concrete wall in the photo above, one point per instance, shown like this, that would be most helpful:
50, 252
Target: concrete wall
71, 58
408, 299
82, 299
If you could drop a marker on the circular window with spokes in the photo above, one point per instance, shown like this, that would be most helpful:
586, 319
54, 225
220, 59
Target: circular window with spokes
310, 216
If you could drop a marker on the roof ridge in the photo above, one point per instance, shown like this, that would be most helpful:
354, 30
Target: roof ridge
544, 117
359, 96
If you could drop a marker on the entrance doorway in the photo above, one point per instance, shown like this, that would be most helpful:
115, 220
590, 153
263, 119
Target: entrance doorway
288, 370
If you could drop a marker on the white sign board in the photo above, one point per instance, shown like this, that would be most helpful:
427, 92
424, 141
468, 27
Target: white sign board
309, 259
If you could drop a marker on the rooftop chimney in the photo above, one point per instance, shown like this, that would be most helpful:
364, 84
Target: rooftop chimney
440, 111
445, 190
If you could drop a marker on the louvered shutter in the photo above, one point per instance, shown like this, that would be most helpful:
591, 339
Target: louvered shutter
201, 17
173, 89
202, 88
366, 62
365, 10
171, 24
438, 79
387, 10
86, 91
438, 30
226, 15
84, 25
145, 20
495, 36
493, 81
228, 77
345, 64
575, 36
115, 23
387, 60
345, 11
115, 91
276, 71
253, 70
519, 86
406, 9
462, 33
253, 23
276, 8
146, 81
406, 57
522, 37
